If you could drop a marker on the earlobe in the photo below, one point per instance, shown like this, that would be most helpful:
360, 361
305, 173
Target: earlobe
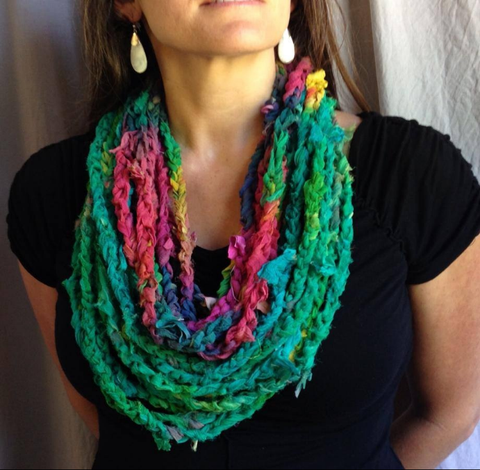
128, 10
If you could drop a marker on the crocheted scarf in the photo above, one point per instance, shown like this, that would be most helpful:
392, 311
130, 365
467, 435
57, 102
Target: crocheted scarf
155, 360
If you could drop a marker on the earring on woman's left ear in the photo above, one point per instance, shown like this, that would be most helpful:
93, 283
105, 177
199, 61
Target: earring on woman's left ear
286, 48
138, 57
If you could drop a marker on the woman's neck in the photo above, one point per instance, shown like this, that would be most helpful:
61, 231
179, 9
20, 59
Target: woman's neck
214, 104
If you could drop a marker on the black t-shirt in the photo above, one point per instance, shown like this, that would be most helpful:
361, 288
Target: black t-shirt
416, 209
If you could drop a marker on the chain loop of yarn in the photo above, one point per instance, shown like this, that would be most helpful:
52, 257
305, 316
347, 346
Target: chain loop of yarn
182, 377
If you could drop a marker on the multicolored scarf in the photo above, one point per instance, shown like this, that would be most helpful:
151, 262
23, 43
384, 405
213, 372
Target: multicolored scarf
156, 361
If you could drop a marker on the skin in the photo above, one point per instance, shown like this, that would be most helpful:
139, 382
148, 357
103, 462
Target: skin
218, 69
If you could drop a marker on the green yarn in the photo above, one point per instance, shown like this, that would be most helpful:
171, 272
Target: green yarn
167, 388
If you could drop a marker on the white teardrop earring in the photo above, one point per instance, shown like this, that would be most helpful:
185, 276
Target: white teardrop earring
137, 53
286, 48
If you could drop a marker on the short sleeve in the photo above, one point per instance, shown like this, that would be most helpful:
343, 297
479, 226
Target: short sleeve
422, 188
440, 202
46, 196
31, 217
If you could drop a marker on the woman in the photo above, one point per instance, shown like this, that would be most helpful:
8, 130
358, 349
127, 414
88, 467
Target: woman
109, 242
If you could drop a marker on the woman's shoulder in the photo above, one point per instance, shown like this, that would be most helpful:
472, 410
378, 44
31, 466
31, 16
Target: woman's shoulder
45, 196
56, 171
421, 187
390, 152
51, 182
59, 153
391, 143
347, 120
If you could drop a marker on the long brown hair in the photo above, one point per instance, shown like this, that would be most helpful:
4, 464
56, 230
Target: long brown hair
106, 50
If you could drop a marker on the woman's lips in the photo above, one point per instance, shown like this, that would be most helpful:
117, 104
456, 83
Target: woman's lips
233, 3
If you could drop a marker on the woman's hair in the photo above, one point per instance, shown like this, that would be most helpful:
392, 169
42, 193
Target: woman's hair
106, 49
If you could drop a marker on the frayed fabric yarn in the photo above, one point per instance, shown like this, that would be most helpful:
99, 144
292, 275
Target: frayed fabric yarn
182, 377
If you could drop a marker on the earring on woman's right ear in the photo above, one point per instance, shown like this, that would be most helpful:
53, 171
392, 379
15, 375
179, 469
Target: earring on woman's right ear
138, 57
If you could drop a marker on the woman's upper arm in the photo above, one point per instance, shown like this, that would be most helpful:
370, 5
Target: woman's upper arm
426, 193
43, 300
440, 228
444, 373
45, 196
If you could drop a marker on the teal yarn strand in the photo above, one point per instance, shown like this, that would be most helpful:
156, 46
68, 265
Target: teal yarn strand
159, 377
